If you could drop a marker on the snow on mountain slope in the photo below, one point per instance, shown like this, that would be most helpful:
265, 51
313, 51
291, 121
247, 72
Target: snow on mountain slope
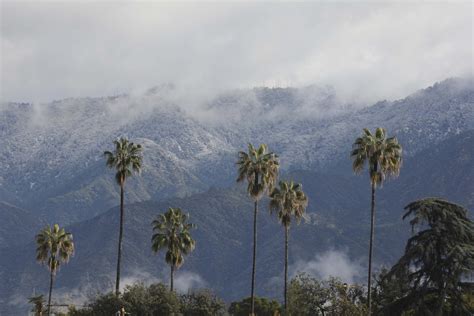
339, 221
426, 117
51, 154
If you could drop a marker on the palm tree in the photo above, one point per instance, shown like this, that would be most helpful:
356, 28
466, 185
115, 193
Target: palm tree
384, 158
126, 159
38, 302
172, 232
260, 168
54, 247
288, 201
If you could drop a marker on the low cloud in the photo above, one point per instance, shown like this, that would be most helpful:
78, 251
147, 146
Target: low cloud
183, 280
366, 50
331, 263
139, 277
186, 280
78, 296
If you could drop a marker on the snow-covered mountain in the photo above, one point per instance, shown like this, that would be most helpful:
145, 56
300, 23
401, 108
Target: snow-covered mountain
52, 170
333, 240
51, 154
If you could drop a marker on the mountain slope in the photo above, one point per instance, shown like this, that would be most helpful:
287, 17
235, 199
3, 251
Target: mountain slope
51, 154
339, 219
17, 225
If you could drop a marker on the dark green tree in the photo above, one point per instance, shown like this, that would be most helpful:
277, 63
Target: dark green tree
155, 299
54, 248
437, 256
346, 299
311, 297
172, 232
137, 299
105, 304
263, 307
288, 201
202, 303
125, 159
387, 290
260, 168
307, 296
383, 157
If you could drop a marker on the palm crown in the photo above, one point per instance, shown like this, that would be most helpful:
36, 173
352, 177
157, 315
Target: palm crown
127, 157
383, 155
260, 168
288, 201
55, 246
173, 234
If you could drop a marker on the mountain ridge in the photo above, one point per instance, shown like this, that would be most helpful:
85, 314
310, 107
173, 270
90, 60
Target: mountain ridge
53, 170
223, 219
61, 175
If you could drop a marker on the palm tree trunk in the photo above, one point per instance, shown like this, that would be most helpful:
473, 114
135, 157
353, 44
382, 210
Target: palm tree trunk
371, 242
50, 292
171, 278
287, 232
119, 256
252, 295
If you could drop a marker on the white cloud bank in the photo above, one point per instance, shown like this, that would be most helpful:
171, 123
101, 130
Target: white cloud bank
366, 50
332, 263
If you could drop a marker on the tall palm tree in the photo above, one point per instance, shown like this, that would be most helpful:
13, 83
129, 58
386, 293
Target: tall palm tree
172, 232
384, 158
125, 159
288, 201
54, 247
260, 168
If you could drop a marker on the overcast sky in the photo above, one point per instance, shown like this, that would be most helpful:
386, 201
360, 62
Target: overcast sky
366, 50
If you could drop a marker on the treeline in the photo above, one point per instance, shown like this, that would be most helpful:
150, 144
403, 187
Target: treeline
429, 279
307, 296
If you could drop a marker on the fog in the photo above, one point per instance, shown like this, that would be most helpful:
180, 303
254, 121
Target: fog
366, 50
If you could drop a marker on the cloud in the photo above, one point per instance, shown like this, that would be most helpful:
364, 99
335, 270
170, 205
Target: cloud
77, 296
366, 50
332, 263
183, 280
186, 280
139, 277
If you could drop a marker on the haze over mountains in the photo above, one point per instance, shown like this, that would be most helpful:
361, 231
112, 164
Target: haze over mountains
53, 171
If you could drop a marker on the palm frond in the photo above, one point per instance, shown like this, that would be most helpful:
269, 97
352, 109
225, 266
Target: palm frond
173, 235
260, 168
382, 155
125, 159
288, 201
55, 247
